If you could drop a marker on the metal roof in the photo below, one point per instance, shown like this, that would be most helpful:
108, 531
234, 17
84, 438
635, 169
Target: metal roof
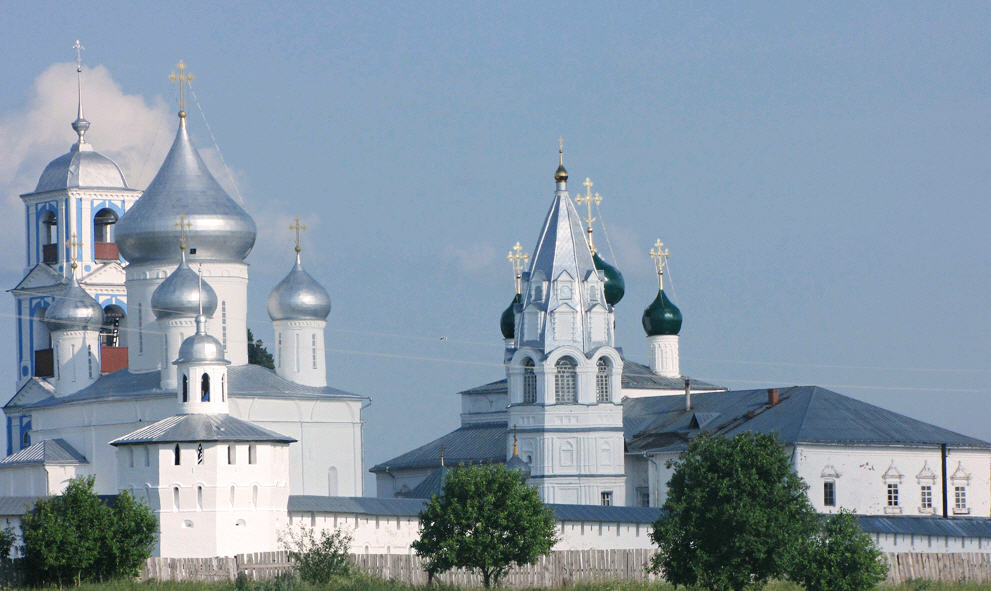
955, 527
192, 428
430, 486
804, 414
412, 508
471, 444
49, 451
243, 381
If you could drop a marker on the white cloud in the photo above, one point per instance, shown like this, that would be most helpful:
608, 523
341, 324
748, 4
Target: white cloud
478, 258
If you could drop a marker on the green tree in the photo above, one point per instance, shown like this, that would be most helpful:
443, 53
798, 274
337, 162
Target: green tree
485, 519
839, 557
735, 514
73, 537
258, 354
317, 560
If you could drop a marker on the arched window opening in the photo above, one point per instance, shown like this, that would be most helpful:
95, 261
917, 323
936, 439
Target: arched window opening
223, 388
565, 380
104, 248
175, 498
205, 388
252, 454
231, 454
199, 498
529, 382
175, 453
602, 380
199, 453
147, 456
232, 496
49, 237
254, 496
113, 318
185, 388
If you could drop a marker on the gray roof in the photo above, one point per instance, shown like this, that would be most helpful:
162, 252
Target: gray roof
49, 451
298, 297
635, 376
430, 486
805, 414
23, 505
471, 444
194, 428
412, 508
244, 381
81, 167
956, 527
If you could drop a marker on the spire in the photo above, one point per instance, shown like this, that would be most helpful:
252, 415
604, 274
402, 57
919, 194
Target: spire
660, 256
561, 175
80, 125
183, 79
518, 259
588, 199
299, 228
516, 452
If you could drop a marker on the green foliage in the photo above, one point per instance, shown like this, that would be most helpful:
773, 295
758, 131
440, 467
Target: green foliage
317, 560
486, 519
840, 557
73, 537
258, 354
7, 540
735, 514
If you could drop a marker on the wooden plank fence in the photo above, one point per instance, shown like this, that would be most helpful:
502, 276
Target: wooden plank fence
559, 568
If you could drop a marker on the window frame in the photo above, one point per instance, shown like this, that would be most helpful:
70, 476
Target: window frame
829, 493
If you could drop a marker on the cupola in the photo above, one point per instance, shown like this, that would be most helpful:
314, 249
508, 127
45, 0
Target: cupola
661, 317
183, 294
202, 373
615, 285
507, 323
74, 309
298, 297
662, 322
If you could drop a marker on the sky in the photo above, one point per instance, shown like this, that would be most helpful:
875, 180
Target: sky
819, 174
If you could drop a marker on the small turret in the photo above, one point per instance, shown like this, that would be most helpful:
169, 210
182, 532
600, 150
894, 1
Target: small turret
202, 371
662, 322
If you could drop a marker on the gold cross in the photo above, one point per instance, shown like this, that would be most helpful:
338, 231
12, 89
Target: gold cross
73, 244
518, 259
183, 79
588, 199
183, 225
79, 55
299, 238
660, 256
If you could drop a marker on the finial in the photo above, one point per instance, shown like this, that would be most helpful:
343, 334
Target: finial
183, 79
515, 452
518, 259
199, 289
560, 151
299, 238
73, 244
183, 225
441, 456
560, 175
588, 199
80, 125
660, 256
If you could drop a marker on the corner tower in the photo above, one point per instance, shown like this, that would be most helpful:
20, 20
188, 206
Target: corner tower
564, 375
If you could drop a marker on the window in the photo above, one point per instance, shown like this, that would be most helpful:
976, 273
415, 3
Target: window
927, 496
130, 457
252, 454
254, 496
565, 380
223, 323
231, 454
232, 496
223, 388
50, 221
175, 453
141, 334
199, 498
529, 383
199, 453
829, 493
313, 341
205, 388
959, 497
606, 496
103, 226
278, 352
185, 388
175, 494
892, 495
602, 380
89, 361
643, 493
147, 456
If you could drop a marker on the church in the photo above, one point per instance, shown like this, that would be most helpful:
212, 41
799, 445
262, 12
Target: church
132, 368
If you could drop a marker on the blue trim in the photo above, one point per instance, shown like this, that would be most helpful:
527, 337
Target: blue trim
10, 426
539, 477
20, 335
79, 228
24, 427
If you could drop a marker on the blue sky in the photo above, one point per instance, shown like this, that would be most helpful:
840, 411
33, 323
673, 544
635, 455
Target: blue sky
819, 174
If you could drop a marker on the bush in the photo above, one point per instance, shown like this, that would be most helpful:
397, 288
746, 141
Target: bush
840, 557
317, 560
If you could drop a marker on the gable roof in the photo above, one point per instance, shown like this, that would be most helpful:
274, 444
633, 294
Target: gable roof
195, 428
47, 452
41, 279
244, 381
470, 444
804, 414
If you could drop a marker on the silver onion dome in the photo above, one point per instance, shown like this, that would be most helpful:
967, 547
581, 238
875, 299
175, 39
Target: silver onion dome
182, 294
74, 309
201, 347
81, 167
298, 297
219, 229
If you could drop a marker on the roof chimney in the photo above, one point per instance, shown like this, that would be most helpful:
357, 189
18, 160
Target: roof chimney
688, 394
772, 397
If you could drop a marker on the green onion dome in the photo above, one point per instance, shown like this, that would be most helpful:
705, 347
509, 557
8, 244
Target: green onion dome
661, 317
615, 285
508, 321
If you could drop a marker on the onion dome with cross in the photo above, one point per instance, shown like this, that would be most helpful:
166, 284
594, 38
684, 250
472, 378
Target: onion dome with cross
298, 296
661, 317
183, 294
74, 308
615, 285
507, 322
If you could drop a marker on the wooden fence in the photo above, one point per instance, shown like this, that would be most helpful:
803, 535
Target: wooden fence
559, 568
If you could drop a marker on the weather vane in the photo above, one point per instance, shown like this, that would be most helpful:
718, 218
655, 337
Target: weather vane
183, 225
299, 237
660, 256
183, 79
588, 199
518, 259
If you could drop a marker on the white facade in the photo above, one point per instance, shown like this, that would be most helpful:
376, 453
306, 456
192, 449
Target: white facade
299, 351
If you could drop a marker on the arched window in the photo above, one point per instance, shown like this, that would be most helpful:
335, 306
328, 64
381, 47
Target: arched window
185, 388
232, 496
205, 388
252, 454
223, 388
49, 237
175, 453
529, 383
254, 496
103, 225
113, 317
602, 380
199, 498
565, 380
175, 498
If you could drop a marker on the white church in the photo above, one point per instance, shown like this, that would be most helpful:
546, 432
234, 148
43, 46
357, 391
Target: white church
132, 367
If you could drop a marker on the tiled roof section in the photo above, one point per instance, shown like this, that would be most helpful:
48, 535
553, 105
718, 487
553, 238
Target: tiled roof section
243, 381
412, 508
636, 376
956, 527
430, 486
192, 428
471, 444
805, 414
49, 451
